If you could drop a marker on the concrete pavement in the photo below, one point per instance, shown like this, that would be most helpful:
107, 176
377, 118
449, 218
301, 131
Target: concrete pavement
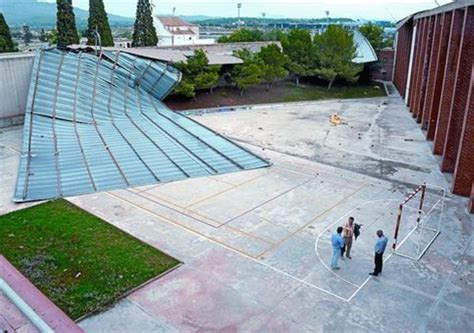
255, 244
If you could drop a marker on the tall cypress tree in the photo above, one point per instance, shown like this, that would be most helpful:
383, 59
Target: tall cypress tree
6, 42
144, 33
98, 18
66, 24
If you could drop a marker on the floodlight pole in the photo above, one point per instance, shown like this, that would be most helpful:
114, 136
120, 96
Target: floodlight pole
239, 5
98, 40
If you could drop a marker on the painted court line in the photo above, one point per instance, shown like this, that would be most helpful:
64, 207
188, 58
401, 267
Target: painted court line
217, 242
316, 243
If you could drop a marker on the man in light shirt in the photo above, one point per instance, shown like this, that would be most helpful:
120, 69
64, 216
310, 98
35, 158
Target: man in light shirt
348, 234
380, 246
337, 244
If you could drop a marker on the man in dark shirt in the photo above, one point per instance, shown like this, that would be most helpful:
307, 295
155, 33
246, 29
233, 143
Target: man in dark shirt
380, 246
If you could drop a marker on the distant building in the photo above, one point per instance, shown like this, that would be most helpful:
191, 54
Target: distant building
122, 43
174, 31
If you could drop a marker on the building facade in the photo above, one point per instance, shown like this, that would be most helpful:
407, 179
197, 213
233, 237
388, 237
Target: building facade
434, 74
174, 31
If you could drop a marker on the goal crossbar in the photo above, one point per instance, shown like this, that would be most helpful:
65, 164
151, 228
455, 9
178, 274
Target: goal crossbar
421, 218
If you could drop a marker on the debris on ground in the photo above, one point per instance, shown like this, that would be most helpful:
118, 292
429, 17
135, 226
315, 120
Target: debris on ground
335, 119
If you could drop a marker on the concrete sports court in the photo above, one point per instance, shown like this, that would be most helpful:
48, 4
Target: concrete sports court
255, 244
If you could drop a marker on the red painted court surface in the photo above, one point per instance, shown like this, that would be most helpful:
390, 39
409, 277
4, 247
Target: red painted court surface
14, 318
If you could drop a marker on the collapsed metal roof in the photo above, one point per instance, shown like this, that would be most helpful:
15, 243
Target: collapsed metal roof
365, 52
96, 123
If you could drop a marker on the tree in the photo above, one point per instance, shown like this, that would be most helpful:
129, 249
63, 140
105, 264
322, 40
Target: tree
144, 33
242, 35
334, 50
197, 74
274, 62
6, 42
249, 73
43, 37
66, 24
207, 79
374, 34
98, 20
185, 88
274, 35
27, 35
298, 47
52, 37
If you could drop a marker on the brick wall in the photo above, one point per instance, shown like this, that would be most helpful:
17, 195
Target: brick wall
471, 201
440, 95
384, 70
402, 57
440, 52
464, 165
463, 71
447, 88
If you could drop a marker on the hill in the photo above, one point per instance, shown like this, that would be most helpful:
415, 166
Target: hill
43, 14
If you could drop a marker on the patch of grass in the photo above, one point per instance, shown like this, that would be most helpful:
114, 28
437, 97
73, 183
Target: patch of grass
79, 261
311, 93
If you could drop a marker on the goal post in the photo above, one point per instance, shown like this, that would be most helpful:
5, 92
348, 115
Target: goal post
418, 221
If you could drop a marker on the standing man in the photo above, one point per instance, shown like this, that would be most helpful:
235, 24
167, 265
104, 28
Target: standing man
337, 245
380, 246
348, 235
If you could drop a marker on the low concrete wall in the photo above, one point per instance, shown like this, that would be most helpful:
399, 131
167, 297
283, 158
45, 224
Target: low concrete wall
15, 74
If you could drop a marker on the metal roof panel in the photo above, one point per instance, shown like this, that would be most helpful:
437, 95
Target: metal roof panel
96, 123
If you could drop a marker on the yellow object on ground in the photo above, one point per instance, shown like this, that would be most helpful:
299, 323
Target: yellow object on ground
336, 120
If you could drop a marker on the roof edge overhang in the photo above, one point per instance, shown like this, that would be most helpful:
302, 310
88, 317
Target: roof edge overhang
434, 11
444, 8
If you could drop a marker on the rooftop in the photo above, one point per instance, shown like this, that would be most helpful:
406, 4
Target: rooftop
90, 131
174, 21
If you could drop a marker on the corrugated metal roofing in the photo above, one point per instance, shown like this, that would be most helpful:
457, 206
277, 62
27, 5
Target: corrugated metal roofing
97, 123
365, 52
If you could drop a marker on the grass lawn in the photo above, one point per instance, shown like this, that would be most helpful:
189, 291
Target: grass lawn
311, 93
79, 261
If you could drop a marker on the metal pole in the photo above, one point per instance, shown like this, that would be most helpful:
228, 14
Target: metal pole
397, 227
422, 199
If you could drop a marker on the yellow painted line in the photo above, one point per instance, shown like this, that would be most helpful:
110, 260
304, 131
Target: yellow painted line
183, 210
168, 220
324, 173
185, 213
229, 189
311, 221
252, 258
248, 234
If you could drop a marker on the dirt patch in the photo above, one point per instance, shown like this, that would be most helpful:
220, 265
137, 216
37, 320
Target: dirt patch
279, 92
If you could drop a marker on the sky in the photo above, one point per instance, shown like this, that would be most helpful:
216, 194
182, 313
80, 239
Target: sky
392, 10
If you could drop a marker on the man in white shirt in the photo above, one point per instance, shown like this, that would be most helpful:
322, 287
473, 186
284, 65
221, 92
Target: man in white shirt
348, 234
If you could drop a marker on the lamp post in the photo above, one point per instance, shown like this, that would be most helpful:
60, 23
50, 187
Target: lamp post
239, 5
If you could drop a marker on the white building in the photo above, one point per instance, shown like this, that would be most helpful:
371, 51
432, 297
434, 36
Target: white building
174, 31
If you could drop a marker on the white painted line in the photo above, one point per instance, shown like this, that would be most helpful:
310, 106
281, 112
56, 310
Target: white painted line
316, 243
231, 249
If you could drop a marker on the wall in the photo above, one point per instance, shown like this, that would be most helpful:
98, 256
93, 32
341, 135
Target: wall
15, 73
384, 69
435, 76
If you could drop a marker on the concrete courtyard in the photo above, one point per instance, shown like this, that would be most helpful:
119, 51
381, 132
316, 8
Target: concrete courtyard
255, 244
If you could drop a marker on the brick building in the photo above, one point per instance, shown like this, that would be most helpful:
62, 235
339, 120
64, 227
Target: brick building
384, 70
434, 74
